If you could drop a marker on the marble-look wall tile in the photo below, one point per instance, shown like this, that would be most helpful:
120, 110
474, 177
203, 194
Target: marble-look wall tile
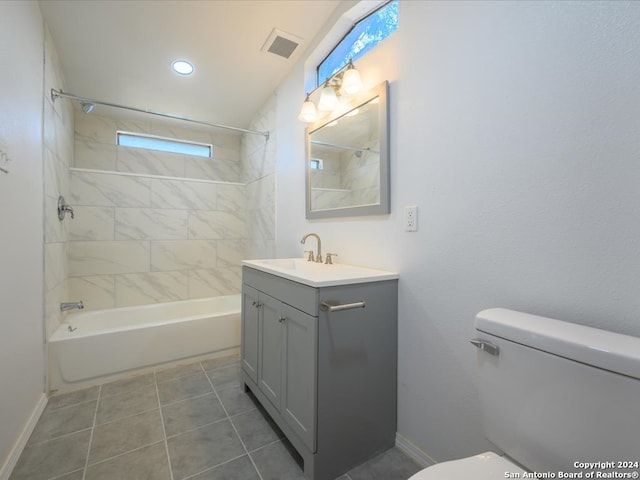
52, 300
150, 162
96, 291
150, 224
147, 240
261, 223
95, 128
212, 169
231, 198
56, 175
95, 156
102, 189
92, 223
90, 258
169, 255
215, 282
152, 287
55, 265
231, 252
205, 224
183, 194
261, 192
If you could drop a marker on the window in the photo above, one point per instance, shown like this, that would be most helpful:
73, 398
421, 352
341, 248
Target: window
164, 144
317, 164
363, 36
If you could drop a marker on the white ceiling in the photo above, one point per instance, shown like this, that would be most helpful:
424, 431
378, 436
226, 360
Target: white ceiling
121, 51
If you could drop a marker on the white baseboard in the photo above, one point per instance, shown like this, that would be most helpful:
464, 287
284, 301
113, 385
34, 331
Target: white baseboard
17, 449
405, 446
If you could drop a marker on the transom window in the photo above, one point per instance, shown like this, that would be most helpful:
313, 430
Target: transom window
363, 36
164, 144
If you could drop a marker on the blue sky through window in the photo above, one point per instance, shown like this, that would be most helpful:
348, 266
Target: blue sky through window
364, 35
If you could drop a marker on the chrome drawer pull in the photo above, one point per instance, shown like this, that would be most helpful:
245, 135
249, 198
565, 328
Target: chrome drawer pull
325, 307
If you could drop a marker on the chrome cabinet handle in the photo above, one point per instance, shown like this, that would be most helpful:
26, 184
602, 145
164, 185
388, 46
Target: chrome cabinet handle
282, 319
326, 307
486, 346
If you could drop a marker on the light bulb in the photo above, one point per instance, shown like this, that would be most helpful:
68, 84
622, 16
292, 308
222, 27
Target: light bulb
351, 82
308, 112
328, 100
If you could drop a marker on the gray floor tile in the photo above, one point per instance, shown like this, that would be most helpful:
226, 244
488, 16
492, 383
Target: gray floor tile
200, 449
77, 475
220, 362
131, 402
148, 463
183, 387
238, 469
127, 385
390, 465
276, 462
179, 371
126, 434
256, 429
225, 377
62, 421
55, 457
73, 398
236, 401
191, 413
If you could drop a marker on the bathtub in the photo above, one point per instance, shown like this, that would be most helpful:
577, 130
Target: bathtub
104, 345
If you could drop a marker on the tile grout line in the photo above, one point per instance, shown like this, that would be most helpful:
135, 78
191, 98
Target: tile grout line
231, 423
93, 427
164, 432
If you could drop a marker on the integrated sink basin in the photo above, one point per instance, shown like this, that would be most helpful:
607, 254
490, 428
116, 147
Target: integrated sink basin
318, 274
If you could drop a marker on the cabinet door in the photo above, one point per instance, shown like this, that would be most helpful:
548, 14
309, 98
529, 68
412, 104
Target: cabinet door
271, 349
250, 312
299, 394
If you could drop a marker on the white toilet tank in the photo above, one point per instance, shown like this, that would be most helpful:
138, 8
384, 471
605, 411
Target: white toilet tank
558, 394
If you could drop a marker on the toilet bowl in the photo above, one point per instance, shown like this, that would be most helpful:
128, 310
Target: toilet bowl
539, 381
486, 466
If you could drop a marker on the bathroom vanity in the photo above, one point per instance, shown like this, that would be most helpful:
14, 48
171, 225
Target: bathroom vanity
319, 352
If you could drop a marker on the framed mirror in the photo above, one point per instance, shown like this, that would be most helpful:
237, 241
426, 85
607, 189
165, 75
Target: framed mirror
347, 160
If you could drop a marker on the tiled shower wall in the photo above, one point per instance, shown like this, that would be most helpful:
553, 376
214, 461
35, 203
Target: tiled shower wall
58, 156
151, 226
258, 172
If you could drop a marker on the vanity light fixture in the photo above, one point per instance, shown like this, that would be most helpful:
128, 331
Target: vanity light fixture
344, 83
182, 67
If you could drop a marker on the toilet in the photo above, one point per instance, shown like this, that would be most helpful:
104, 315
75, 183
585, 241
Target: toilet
555, 396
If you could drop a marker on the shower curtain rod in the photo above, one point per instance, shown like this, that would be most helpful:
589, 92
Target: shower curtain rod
59, 93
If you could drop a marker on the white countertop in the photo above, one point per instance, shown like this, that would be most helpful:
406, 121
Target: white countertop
318, 274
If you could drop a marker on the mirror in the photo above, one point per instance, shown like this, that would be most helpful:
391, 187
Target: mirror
347, 161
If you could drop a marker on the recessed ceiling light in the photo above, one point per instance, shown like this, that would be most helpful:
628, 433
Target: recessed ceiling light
182, 67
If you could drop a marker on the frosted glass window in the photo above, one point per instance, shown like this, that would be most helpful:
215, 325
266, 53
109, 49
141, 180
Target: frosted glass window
363, 36
164, 144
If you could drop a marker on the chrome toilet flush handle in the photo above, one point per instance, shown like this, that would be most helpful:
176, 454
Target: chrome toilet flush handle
486, 346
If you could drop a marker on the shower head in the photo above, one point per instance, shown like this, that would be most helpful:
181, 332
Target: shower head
87, 107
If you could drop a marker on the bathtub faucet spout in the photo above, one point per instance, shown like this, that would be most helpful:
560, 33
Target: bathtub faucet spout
71, 306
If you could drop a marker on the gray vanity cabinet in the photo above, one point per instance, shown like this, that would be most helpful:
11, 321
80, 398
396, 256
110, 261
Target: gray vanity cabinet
327, 379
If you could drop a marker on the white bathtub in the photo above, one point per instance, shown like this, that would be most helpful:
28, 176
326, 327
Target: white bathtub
103, 345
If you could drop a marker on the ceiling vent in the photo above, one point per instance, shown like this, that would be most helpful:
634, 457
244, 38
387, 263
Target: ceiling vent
281, 43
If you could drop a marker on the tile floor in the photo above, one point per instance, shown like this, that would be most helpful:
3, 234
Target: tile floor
189, 422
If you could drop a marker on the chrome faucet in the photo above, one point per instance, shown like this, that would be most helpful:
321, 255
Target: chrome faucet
319, 256
71, 306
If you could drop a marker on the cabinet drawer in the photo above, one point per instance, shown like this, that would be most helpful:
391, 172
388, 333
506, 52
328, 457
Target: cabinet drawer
297, 295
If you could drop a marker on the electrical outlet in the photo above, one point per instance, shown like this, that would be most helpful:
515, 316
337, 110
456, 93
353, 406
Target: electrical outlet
411, 218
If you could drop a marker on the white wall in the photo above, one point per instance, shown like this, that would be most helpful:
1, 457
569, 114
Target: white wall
515, 127
21, 218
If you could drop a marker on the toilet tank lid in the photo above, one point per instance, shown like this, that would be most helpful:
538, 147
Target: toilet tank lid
600, 348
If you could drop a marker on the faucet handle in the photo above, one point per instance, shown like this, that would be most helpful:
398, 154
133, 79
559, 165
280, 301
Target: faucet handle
310, 256
329, 259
